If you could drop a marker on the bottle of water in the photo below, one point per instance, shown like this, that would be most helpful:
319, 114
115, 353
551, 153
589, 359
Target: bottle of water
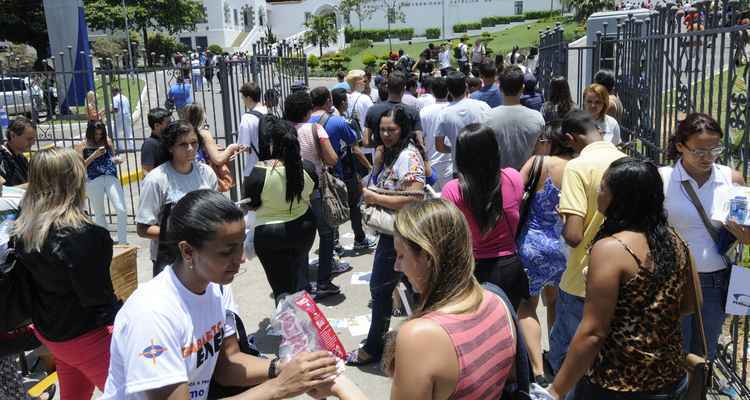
6, 226
4, 120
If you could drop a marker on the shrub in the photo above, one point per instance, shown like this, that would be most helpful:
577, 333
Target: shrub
432, 33
215, 49
488, 22
369, 60
377, 35
541, 14
165, 45
313, 61
105, 47
466, 26
361, 43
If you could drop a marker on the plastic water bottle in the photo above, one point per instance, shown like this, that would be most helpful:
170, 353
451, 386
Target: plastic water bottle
5, 228
738, 209
4, 120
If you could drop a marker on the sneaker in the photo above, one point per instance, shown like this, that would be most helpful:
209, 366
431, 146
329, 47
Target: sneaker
366, 244
338, 250
340, 267
326, 290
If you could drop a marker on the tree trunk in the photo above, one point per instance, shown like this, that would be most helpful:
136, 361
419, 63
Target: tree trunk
320, 45
145, 46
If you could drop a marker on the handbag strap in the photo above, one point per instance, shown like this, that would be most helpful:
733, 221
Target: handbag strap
697, 301
536, 173
712, 231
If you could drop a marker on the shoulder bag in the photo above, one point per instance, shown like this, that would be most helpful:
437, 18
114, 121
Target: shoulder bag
721, 237
15, 293
529, 191
381, 219
333, 193
699, 369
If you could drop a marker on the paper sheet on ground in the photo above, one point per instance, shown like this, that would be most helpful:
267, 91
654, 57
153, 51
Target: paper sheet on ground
361, 278
359, 325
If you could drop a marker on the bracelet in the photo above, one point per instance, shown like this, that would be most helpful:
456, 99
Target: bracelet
273, 368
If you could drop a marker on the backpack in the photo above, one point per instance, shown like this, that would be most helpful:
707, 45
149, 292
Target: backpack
333, 193
353, 119
406, 63
265, 121
457, 53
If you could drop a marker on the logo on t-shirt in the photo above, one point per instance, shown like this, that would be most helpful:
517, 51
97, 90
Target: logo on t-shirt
153, 352
207, 345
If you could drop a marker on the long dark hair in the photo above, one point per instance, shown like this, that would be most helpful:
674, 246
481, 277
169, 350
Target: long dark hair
559, 144
559, 95
693, 124
285, 147
197, 217
478, 163
408, 136
637, 193
91, 129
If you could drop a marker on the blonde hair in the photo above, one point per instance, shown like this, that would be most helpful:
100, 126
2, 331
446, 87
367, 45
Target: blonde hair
355, 76
54, 198
439, 230
91, 97
603, 95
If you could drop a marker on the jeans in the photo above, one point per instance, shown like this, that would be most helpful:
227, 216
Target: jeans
109, 186
325, 246
382, 282
197, 81
123, 127
714, 286
282, 250
81, 363
568, 315
354, 190
587, 390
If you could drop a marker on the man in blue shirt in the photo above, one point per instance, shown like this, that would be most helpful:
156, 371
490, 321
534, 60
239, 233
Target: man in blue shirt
489, 93
181, 94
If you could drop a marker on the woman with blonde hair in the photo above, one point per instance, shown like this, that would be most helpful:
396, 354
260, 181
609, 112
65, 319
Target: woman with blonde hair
459, 343
67, 257
92, 110
596, 101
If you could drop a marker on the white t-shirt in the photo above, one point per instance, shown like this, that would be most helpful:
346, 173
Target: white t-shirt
248, 135
440, 163
165, 334
409, 100
610, 129
425, 100
444, 58
362, 102
164, 185
456, 116
196, 64
464, 50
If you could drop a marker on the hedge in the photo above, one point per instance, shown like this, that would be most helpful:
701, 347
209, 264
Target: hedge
488, 22
377, 35
432, 33
470, 26
541, 14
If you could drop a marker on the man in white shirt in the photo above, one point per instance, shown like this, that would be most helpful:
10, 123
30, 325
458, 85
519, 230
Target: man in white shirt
461, 112
250, 125
463, 60
123, 121
427, 98
516, 127
441, 164
444, 59
359, 103
197, 75
410, 95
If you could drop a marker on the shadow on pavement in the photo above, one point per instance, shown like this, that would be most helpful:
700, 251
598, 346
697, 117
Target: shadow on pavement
267, 344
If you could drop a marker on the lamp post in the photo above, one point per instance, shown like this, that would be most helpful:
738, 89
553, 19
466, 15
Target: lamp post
388, 15
127, 35
443, 30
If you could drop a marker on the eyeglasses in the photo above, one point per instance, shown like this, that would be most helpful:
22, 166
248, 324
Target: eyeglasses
710, 153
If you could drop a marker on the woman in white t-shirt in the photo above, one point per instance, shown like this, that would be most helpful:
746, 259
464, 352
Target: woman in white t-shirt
177, 331
167, 183
695, 147
596, 101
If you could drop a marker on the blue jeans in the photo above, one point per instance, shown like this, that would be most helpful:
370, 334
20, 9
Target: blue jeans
569, 313
714, 286
382, 282
325, 246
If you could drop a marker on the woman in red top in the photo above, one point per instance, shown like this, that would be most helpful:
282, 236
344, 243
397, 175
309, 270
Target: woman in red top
459, 344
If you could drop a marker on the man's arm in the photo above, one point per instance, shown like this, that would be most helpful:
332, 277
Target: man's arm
441, 146
573, 231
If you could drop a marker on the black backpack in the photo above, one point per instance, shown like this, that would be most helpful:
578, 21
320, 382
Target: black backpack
457, 52
265, 121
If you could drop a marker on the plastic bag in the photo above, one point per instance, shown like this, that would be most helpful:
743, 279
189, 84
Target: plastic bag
249, 235
303, 327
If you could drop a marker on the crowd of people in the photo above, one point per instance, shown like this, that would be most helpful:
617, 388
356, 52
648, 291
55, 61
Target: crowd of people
537, 201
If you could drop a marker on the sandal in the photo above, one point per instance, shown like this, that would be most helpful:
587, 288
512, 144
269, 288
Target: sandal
359, 357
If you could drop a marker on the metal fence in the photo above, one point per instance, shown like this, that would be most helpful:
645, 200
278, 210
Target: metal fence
275, 68
671, 62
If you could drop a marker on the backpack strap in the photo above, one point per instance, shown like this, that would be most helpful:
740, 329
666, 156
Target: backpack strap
258, 115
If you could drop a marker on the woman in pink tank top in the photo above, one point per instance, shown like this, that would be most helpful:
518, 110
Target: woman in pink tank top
459, 344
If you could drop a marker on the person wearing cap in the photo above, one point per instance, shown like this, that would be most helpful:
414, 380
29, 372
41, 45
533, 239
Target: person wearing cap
531, 97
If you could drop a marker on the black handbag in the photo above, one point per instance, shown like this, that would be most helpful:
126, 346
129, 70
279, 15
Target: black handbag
217, 391
15, 293
529, 191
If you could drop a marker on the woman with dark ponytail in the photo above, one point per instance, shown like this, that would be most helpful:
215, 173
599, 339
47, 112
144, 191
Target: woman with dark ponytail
695, 147
639, 284
279, 191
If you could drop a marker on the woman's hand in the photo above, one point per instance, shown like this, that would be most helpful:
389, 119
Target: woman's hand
553, 392
304, 372
342, 388
369, 197
117, 160
741, 232
99, 152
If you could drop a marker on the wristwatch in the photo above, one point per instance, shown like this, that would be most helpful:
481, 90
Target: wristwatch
273, 368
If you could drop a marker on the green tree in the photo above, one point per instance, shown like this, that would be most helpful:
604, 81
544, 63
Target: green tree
321, 31
363, 9
584, 8
170, 15
24, 22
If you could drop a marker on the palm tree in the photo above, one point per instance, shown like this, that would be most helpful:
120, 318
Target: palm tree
321, 31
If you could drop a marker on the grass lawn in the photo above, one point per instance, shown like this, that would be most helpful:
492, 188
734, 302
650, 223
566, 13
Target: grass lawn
524, 36
131, 88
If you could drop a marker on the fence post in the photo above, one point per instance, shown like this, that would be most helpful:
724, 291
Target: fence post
226, 108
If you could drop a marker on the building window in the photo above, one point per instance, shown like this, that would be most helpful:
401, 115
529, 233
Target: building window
348, 18
236, 18
205, 15
519, 7
201, 42
308, 16
261, 16
227, 14
187, 41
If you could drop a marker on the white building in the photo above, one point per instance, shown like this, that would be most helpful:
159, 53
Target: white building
231, 24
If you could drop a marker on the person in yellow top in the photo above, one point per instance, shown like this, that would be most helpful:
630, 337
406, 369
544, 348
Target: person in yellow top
578, 207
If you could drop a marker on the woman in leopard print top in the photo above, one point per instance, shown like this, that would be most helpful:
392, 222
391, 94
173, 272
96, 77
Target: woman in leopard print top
639, 284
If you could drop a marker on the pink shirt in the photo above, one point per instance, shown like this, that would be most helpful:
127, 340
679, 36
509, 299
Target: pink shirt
501, 240
307, 147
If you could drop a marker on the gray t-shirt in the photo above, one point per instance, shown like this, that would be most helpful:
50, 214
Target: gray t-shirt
455, 117
163, 185
516, 128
